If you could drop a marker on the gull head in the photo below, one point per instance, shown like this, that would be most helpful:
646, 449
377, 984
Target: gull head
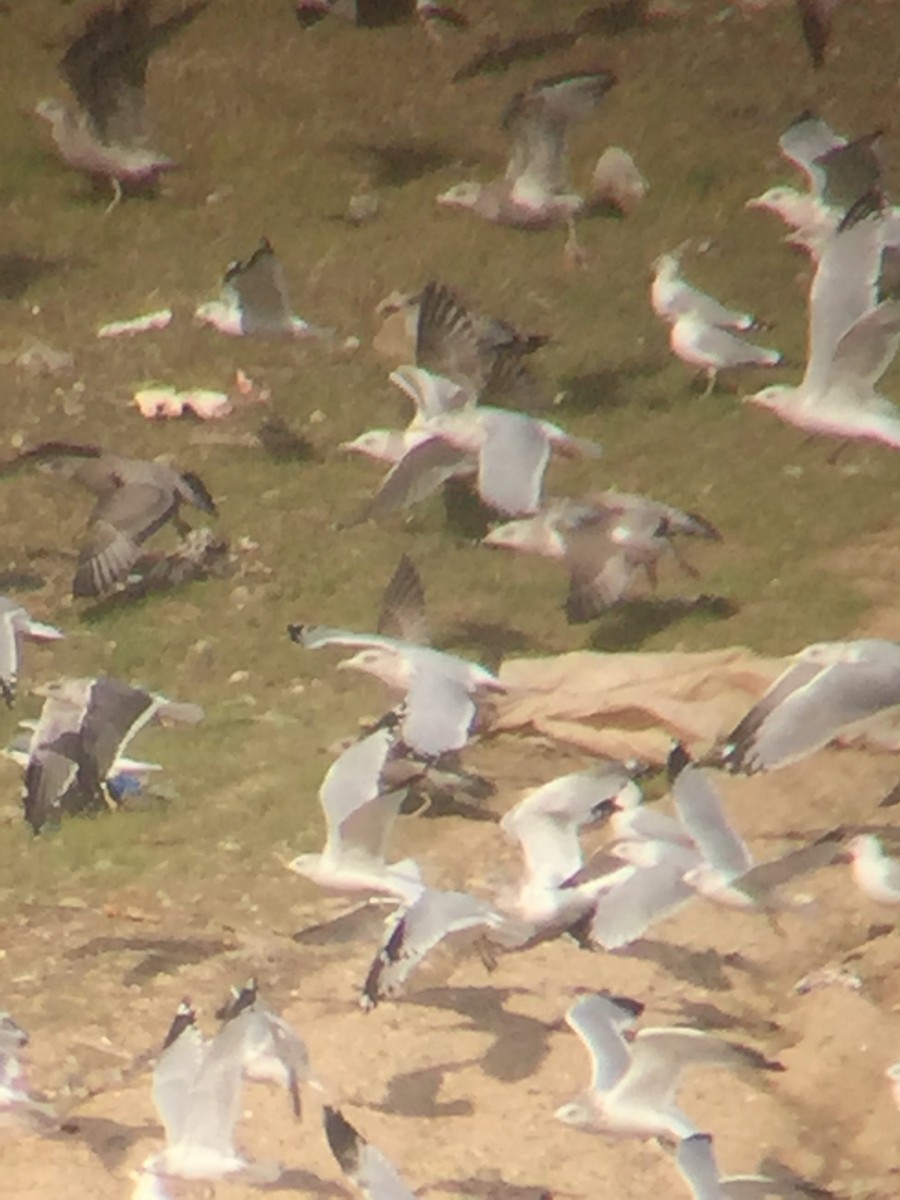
384, 445
462, 195
793, 207
666, 266
579, 1113
384, 664
777, 397
531, 536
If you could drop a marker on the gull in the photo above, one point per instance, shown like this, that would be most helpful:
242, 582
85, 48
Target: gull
134, 498
361, 796
696, 1162
535, 192
671, 297
616, 182
197, 1092
633, 1086
16, 625
852, 340
875, 874
271, 1051
829, 687
441, 689
254, 300
18, 1108
512, 451
656, 887
712, 349
105, 66
728, 873
80, 739
839, 172
604, 541
373, 1174
433, 918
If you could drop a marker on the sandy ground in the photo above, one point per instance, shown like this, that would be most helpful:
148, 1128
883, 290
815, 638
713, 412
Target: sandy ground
458, 1081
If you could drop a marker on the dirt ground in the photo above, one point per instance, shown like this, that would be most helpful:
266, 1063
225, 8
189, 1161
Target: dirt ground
458, 1081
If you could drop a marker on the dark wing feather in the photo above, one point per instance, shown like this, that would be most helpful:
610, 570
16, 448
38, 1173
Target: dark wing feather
417, 475
403, 614
122, 520
113, 708
262, 291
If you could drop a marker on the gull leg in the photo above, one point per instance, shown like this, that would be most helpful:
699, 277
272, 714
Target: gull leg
574, 253
117, 196
711, 374
836, 454
689, 569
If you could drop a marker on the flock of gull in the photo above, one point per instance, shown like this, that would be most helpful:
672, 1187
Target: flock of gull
464, 372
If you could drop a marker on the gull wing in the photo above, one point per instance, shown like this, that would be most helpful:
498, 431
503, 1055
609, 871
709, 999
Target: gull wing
261, 288
215, 1096
700, 809
123, 518
115, 713
812, 702
659, 1056
844, 288
270, 1050
447, 342
696, 1162
866, 351
403, 614
10, 618
55, 752
512, 461
760, 881
600, 1022
804, 141
176, 1072
431, 919
851, 172
431, 394
537, 120
438, 709
599, 569
359, 815
418, 474
626, 912
363, 1164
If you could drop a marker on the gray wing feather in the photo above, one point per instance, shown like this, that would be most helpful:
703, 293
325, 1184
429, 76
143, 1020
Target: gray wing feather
512, 462
598, 1021
173, 1081
403, 615
701, 812
363, 1164
867, 349
418, 474
805, 140
439, 711
696, 1162
359, 816
627, 911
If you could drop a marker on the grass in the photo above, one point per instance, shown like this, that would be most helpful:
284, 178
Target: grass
276, 129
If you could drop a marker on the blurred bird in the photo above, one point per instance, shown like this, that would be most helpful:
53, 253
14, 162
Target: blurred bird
16, 625
105, 66
371, 1172
815, 20
135, 498
875, 873
254, 300
535, 192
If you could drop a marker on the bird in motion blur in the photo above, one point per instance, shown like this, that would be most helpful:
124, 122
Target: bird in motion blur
135, 498
105, 133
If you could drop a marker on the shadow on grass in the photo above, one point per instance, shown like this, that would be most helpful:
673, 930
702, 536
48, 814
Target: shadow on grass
392, 164
495, 1189
19, 271
491, 642
605, 389
629, 624
110, 1141
415, 1093
162, 956
702, 968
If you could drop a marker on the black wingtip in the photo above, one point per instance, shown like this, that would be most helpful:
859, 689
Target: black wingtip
185, 1016
634, 1008
343, 1140
866, 206
678, 759
239, 1001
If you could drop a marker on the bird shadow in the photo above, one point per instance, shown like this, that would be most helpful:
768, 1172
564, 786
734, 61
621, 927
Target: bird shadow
392, 164
605, 389
629, 624
19, 271
162, 956
297, 1180
490, 641
362, 923
467, 516
415, 1093
520, 1043
703, 1014
702, 968
109, 1141
494, 1189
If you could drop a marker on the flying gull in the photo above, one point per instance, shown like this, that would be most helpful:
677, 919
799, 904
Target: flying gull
17, 625
671, 297
271, 1051
875, 873
374, 1175
511, 450
604, 540
852, 340
361, 796
197, 1087
634, 1084
535, 192
441, 690
134, 498
254, 300
80, 739
105, 66
829, 687
696, 1162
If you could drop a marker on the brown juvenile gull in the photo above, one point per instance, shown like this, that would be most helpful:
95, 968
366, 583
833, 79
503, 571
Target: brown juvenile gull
135, 498
254, 300
535, 192
634, 1084
80, 740
604, 540
370, 1171
15, 625
105, 66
